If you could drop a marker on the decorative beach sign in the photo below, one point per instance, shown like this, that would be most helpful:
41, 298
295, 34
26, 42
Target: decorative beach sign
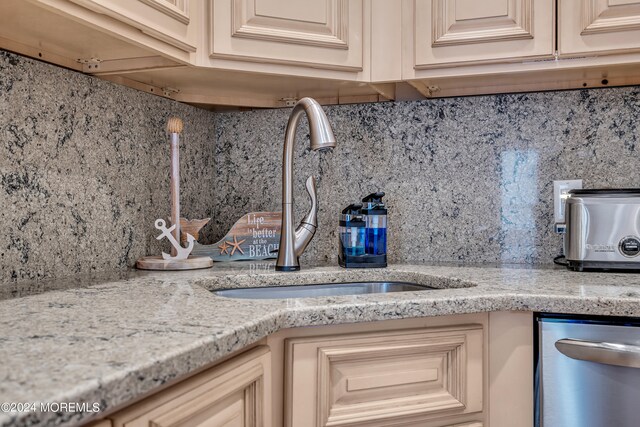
254, 236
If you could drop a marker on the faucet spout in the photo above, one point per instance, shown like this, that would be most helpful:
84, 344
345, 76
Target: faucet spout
293, 243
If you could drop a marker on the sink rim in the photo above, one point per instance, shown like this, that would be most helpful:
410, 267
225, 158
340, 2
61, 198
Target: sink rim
275, 292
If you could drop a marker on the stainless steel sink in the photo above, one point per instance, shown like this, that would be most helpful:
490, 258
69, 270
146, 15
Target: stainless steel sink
323, 290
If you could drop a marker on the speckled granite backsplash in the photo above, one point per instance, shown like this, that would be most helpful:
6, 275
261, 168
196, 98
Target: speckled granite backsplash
467, 179
84, 170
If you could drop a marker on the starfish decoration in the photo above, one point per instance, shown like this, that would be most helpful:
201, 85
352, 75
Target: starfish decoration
236, 245
224, 248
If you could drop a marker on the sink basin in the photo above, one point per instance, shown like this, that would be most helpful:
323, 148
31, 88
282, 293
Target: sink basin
322, 290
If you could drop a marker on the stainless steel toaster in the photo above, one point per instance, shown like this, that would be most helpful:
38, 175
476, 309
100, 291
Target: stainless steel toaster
603, 229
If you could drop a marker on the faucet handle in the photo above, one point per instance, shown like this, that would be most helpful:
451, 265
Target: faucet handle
312, 217
307, 228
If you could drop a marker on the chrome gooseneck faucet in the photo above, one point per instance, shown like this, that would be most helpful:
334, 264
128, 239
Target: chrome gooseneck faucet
293, 244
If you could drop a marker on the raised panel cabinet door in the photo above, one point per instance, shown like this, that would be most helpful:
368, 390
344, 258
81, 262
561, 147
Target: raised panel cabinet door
325, 34
596, 27
463, 32
403, 377
234, 394
165, 20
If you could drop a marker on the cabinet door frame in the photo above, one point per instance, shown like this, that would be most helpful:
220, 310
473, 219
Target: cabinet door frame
246, 376
178, 11
236, 33
531, 36
597, 28
450, 364
159, 19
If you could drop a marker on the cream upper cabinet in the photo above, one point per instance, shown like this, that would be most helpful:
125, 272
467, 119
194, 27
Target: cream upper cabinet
312, 34
268, 53
162, 26
166, 20
445, 33
596, 27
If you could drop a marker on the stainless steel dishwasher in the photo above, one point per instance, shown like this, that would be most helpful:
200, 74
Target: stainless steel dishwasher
588, 371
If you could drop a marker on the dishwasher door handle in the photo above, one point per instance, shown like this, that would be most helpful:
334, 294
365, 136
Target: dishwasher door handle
600, 352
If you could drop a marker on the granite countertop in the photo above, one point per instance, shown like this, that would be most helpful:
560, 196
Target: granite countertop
110, 340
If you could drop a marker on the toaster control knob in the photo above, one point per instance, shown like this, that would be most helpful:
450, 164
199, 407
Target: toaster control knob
630, 246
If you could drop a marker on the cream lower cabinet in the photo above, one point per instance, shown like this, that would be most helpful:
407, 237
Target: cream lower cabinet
470, 370
233, 394
406, 377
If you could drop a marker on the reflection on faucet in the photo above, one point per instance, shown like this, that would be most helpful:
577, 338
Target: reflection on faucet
292, 245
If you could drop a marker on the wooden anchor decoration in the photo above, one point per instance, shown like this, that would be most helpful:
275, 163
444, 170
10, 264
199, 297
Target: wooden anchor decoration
179, 258
181, 253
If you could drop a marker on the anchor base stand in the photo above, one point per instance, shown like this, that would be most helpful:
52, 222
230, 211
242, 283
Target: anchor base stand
158, 263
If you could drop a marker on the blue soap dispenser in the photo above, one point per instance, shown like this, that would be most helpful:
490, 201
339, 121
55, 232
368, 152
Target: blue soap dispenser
352, 235
375, 213
363, 234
